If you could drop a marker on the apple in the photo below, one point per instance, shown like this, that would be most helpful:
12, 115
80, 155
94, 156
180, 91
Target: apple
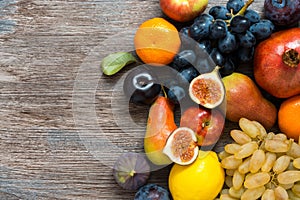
208, 124
183, 10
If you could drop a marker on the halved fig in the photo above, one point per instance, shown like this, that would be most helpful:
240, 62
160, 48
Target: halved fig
207, 89
131, 170
181, 146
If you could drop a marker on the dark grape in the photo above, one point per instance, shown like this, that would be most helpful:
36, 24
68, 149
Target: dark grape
239, 24
200, 29
235, 5
218, 29
252, 16
227, 44
184, 59
228, 68
204, 16
205, 65
176, 94
247, 39
245, 54
217, 57
184, 31
219, 12
189, 74
205, 45
262, 29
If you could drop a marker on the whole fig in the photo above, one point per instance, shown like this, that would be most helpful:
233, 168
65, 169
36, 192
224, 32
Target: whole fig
277, 63
131, 171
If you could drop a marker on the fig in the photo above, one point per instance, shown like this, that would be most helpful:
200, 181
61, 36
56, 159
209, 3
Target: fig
181, 146
277, 63
282, 12
207, 89
152, 192
131, 171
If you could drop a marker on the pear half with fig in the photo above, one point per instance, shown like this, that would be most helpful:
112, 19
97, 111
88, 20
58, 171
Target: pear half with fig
244, 99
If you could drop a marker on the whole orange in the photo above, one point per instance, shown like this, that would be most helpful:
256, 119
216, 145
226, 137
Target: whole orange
289, 117
157, 41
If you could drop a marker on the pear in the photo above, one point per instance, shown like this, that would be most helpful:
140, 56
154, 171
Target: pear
244, 99
160, 125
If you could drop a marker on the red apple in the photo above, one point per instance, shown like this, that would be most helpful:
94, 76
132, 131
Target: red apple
183, 10
208, 124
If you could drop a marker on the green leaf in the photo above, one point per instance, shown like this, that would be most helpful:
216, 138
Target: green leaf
114, 62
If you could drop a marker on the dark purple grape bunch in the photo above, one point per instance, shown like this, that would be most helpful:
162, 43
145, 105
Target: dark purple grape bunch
229, 34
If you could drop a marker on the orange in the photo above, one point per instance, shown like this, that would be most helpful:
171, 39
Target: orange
157, 41
289, 117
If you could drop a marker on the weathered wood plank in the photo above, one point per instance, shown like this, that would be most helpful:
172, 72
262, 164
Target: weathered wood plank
43, 45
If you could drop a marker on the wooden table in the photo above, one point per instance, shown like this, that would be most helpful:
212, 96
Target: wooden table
57, 110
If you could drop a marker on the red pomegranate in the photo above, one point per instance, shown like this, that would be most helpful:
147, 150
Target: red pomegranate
277, 63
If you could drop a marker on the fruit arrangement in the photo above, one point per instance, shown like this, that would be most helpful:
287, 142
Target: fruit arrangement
196, 69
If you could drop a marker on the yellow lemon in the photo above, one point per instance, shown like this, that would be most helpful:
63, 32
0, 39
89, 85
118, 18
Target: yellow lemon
201, 180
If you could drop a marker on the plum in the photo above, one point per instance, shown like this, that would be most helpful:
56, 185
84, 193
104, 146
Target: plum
131, 170
152, 192
282, 12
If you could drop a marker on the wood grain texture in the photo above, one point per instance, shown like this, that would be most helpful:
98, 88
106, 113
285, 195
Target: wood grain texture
44, 153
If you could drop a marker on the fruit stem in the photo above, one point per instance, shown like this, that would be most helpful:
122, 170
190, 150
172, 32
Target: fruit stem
291, 58
132, 173
244, 8
164, 91
241, 11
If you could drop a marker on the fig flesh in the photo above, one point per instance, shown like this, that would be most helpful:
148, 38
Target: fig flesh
131, 171
207, 89
181, 146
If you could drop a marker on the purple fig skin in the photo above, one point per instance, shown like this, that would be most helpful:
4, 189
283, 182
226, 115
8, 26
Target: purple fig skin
282, 12
131, 171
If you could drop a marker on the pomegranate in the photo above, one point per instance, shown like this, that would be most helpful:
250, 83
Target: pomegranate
277, 63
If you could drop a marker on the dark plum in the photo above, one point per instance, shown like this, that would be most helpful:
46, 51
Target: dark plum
152, 192
131, 171
140, 85
282, 12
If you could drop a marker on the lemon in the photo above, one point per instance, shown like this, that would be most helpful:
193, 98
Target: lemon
201, 180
